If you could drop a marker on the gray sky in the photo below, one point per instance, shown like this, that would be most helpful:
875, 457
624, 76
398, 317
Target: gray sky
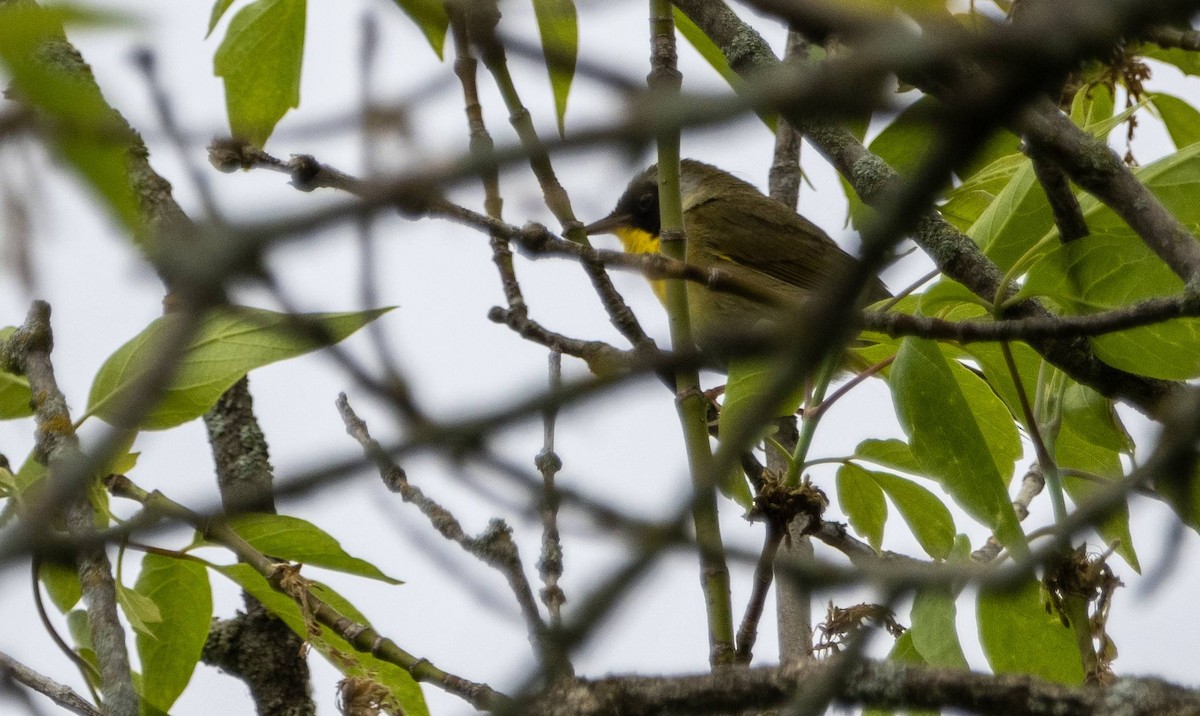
624, 447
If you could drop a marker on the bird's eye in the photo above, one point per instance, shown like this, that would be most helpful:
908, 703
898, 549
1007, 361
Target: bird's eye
645, 203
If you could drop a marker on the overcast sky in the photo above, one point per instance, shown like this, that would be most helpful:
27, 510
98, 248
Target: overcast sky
623, 447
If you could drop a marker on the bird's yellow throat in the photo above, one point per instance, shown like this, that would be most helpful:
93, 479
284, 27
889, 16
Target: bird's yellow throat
638, 241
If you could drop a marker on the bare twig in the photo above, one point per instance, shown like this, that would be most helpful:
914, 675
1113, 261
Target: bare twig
1165, 36
764, 573
494, 547
784, 178
12, 670
550, 565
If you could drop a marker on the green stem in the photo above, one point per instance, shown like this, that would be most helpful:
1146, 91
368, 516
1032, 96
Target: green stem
812, 416
665, 82
1076, 609
1043, 440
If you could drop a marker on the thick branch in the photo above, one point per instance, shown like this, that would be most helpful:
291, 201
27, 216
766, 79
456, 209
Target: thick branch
878, 684
28, 351
1093, 165
254, 646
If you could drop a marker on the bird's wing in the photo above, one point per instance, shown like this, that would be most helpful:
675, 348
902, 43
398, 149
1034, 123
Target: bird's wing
806, 259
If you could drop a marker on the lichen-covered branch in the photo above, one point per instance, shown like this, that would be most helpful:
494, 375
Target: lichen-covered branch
27, 351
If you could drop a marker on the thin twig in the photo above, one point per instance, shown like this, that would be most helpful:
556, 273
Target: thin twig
494, 547
86, 670
550, 565
783, 181
764, 574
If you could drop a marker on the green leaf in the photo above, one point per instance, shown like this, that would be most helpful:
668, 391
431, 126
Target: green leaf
1182, 493
706, 47
1179, 117
1092, 104
967, 202
79, 627
61, 581
559, 28
170, 648
230, 342
29, 474
336, 650
78, 124
891, 453
952, 301
1003, 148
990, 359
1072, 451
960, 433
1185, 60
1015, 220
905, 140
1018, 635
901, 143
862, 501
16, 401
935, 630
1020, 215
430, 16
297, 540
1092, 416
218, 11
1112, 269
140, 611
747, 381
260, 60
922, 511
995, 421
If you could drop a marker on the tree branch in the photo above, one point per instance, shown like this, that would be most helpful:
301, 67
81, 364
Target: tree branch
885, 685
12, 670
495, 547
27, 351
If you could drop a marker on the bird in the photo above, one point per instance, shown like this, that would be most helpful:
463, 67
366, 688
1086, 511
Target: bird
732, 227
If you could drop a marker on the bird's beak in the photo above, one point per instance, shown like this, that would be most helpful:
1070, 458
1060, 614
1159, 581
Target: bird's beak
608, 224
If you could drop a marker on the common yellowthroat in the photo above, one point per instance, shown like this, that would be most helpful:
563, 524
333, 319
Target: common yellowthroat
731, 226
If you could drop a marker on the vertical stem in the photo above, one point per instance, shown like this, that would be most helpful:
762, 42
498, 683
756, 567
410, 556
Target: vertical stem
665, 80
793, 599
785, 175
1042, 447
1075, 607
812, 416
550, 566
